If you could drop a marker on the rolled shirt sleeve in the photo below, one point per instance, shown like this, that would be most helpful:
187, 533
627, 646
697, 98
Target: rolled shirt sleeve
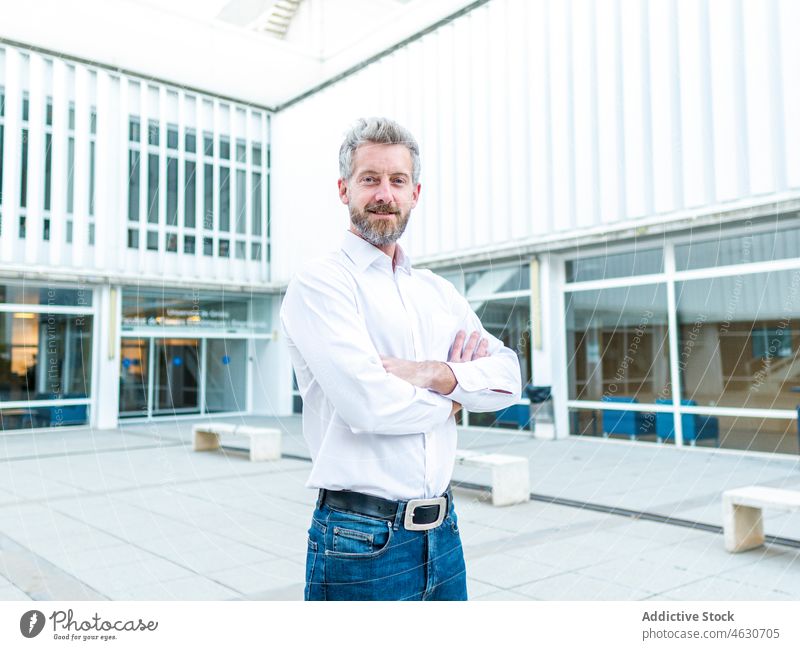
490, 383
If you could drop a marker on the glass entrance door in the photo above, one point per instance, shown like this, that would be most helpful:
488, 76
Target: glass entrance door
133, 377
169, 376
176, 387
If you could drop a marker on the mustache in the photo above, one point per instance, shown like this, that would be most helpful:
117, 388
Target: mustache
381, 208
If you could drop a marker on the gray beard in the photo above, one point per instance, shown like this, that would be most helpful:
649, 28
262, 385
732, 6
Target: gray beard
378, 233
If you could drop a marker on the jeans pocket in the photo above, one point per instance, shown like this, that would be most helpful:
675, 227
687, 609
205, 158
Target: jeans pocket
359, 540
311, 565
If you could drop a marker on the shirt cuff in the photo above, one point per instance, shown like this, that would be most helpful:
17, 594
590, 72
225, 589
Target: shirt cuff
468, 379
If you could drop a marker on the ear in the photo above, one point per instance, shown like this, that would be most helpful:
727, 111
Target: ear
415, 196
343, 196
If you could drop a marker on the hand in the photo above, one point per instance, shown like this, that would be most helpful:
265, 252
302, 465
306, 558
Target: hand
474, 349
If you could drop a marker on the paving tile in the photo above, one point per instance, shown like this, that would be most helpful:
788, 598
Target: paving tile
574, 586
504, 594
262, 577
641, 574
10, 592
506, 571
717, 588
111, 579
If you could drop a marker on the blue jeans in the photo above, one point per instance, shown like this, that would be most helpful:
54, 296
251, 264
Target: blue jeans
354, 557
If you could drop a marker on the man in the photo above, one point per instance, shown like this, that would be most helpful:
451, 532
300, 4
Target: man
383, 363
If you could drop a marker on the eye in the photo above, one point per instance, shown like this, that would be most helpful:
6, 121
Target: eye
399, 180
367, 179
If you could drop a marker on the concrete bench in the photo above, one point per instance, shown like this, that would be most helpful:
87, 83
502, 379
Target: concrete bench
741, 514
265, 444
511, 479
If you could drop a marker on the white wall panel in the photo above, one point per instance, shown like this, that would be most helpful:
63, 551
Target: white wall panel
585, 118
581, 112
664, 105
788, 19
695, 138
609, 113
761, 127
36, 119
728, 111
637, 182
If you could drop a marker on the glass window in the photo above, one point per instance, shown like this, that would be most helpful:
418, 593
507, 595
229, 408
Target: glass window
152, 240
241, 151
208, 144
241, 250
23, 185
133, 129
91, 178
172, 191
190, 194
188, 244
46, 229
208, 246
256, 204
71, 117
257, 155
23, 220
224, 148
25, 107
208, 198
133, 238
133, 185
93, 121
241, 207
616, 265
509, 319
171, 242
48, 116
739, 340
152, 132
44, 356
2, 135
172, 137
497, 279
195, 308
91, 234
69, 231
255, 251
224, 248
743, 248
190, 143
224, 199
152, 188
26, 294
617, 344
70, 175
48, 168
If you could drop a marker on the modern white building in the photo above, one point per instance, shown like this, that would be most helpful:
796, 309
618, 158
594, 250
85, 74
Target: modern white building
614, 185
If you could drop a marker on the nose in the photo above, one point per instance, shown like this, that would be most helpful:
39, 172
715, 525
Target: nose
383, 193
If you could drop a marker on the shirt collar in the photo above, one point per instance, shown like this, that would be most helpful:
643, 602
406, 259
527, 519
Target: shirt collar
363, 254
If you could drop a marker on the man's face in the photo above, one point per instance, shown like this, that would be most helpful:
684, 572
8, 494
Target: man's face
380, 192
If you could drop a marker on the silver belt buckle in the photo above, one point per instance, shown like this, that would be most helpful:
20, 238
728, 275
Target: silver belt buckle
408, 520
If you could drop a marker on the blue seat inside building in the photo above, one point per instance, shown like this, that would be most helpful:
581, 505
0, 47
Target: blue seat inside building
695, 427
626, 423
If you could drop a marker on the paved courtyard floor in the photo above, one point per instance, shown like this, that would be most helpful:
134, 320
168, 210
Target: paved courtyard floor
135, 514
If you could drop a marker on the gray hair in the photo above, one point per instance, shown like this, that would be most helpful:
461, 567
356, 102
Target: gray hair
377, 130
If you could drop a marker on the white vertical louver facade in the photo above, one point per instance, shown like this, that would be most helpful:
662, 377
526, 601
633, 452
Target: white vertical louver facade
79, 222
539, 117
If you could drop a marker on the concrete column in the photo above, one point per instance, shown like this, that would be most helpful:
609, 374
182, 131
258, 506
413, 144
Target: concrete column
105, 403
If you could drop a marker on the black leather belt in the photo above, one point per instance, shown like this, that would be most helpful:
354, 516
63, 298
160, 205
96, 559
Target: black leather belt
420, 514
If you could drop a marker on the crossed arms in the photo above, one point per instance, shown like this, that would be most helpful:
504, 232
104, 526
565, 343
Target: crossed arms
332, 351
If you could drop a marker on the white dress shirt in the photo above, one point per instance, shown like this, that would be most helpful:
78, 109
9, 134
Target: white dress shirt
367, 430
